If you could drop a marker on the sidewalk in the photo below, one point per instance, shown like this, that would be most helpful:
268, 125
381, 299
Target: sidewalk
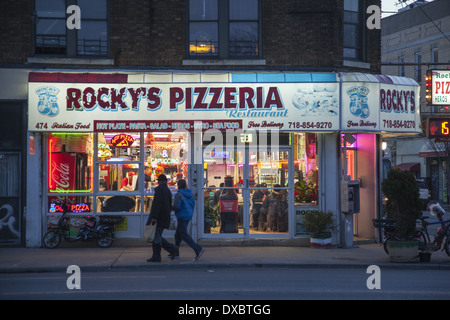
92, 258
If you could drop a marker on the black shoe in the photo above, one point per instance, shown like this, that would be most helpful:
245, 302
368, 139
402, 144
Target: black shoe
199, 254
153, 260
174, 255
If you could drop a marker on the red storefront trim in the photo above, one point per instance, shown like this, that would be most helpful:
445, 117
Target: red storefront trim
77, 77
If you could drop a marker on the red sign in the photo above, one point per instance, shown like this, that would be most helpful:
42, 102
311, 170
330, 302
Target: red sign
228, 206
122, 140
61, 169
78, 207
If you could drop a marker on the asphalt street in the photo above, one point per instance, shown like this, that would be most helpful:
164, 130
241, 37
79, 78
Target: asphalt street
256, 284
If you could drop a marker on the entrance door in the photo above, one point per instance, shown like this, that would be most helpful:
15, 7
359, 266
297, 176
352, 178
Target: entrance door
246, 193
10, 205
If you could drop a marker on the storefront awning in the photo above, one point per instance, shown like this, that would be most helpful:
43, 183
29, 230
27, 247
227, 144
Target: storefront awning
433, 150
409, 166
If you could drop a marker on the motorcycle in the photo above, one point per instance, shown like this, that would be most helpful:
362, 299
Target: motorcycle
102, 231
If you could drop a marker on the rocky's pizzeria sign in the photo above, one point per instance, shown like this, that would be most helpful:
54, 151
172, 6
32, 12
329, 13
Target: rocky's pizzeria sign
120, 106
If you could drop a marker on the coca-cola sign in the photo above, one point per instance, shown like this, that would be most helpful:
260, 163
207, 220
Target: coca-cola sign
62, 172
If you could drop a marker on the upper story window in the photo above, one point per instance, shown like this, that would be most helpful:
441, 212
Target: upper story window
224, 28
353, 30
401, 66
53, 37
92, 38
51, 27
434, 56
418, 67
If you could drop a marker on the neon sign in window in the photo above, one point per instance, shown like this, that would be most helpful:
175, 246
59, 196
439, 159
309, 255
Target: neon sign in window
75, 208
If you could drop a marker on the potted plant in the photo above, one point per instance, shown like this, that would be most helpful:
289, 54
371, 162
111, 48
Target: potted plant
319, 224
404, 206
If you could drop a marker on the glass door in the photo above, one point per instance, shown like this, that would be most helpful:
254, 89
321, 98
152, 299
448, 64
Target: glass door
246, 193
269, 175
224, 192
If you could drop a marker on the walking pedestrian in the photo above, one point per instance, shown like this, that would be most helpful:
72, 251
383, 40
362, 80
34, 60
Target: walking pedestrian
184, 208
160, 214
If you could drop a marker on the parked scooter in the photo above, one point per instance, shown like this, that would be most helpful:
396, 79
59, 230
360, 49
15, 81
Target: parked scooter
101, 231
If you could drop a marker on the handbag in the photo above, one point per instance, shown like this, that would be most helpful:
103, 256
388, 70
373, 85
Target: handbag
149, 232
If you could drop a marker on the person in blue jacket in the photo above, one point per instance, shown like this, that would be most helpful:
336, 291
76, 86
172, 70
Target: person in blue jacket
183, 205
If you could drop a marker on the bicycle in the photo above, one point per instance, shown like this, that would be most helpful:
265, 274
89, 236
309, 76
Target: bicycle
390, 233
442, 232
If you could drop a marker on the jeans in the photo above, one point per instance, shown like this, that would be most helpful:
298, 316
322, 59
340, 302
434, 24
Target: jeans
182, 235
161, 242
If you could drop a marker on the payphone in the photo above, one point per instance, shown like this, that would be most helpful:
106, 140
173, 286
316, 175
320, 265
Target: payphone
353, 196
350, 204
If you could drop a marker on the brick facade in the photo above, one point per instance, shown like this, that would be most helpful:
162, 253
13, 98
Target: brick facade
296, 35
15, 28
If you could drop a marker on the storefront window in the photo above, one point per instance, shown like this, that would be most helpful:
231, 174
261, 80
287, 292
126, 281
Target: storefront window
306, 177
165, 153
119, 146
268, 176
77, 208
75, 205
125, 165
305, 167
351, 144
118, 177
223, 206
247, 187
70, 164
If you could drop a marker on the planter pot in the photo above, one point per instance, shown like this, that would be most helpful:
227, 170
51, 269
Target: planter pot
403, 251
320, 240
425, 257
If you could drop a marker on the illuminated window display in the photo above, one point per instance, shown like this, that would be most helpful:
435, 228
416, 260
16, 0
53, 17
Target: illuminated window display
265, 195
70, 163
70, 176
166, 153
125, 170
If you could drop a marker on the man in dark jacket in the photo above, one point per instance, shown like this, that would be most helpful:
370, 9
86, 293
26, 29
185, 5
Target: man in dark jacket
160, 214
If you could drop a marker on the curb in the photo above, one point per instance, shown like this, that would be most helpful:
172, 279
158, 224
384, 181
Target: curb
209, 266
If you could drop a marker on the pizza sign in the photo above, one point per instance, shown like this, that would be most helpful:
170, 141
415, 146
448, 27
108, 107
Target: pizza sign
122, 140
